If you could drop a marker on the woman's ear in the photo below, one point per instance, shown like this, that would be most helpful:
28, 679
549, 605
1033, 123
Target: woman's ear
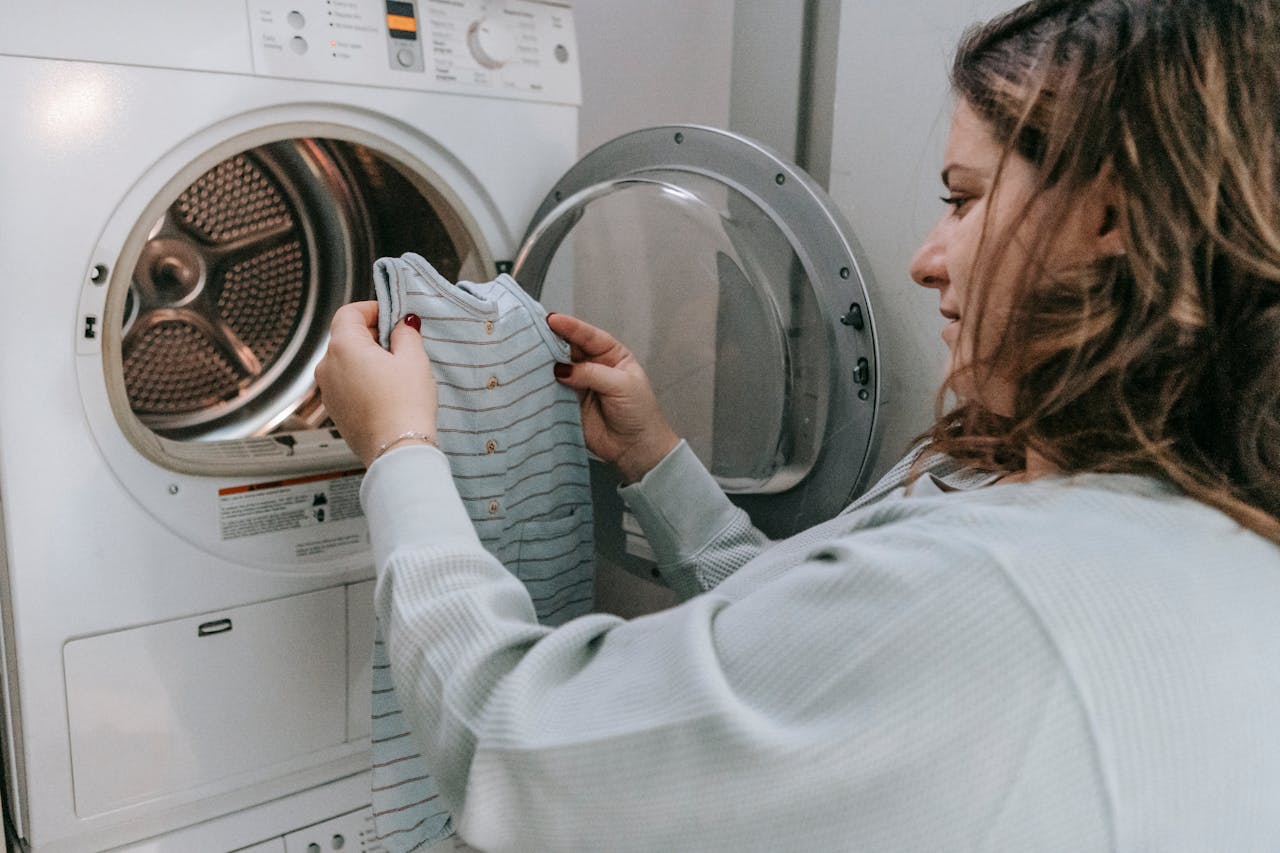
1111, 232
1095, 224
1110, 218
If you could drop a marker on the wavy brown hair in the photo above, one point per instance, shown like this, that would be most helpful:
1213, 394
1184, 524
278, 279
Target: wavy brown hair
1164, 361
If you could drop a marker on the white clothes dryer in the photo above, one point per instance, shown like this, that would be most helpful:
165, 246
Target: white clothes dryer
189, 192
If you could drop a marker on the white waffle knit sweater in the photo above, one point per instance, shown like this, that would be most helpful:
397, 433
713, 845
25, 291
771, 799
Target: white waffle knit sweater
1073, 664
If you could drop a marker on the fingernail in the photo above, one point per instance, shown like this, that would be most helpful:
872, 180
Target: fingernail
413, 321
562, 370
550, 314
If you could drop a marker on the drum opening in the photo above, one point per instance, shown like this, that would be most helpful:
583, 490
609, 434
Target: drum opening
228, 306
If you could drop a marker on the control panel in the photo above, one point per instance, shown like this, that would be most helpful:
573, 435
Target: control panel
349, 833
353, 832
522, 49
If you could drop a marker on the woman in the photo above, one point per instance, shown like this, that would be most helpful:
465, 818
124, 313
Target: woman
1052, 628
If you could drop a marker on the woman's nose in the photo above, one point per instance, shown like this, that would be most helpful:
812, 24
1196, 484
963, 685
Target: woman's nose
928, 267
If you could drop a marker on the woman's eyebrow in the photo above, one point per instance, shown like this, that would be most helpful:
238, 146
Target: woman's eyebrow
952, 168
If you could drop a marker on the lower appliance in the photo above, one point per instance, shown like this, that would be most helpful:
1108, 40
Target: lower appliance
191, 190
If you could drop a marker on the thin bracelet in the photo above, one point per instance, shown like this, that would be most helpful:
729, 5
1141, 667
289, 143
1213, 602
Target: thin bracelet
404, 436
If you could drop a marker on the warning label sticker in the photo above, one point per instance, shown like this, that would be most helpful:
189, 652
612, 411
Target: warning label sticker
293, 504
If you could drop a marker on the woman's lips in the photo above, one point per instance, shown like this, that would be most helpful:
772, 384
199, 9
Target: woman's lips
953, 323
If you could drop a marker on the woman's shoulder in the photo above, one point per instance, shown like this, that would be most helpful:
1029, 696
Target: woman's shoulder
1062, 535
1087, 511
1095, 557
1112, 567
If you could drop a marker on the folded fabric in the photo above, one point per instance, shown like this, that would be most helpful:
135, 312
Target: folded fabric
513, 437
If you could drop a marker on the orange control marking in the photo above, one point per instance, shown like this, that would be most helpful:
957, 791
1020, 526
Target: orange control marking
403, 23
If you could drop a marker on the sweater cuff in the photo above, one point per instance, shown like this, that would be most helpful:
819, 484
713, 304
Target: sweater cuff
679, 505
409, 499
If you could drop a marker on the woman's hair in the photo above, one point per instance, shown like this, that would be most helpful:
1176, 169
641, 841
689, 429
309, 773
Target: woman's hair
1164, 361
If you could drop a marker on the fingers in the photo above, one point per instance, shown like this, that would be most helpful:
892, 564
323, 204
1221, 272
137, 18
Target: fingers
592, 376
406, 337
360, 319
355, 318
588, 340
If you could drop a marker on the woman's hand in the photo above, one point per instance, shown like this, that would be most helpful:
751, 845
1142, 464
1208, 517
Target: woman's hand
621, 419
371, 394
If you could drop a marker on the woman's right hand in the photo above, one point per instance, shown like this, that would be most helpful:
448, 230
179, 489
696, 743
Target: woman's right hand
621, 419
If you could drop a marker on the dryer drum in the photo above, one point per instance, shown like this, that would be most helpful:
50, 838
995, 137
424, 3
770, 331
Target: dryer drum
230, 300
232, 283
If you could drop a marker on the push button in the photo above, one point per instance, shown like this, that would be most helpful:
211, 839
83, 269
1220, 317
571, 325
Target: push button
862, 373
853, 317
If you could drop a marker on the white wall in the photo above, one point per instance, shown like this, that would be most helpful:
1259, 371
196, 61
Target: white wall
648, 62
644, 64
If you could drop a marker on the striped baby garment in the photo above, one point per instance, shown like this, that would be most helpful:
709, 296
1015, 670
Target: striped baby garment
513, 437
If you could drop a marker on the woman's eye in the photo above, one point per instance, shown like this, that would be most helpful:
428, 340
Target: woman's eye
956, 201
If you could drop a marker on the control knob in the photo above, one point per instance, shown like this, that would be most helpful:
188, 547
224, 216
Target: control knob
491, 43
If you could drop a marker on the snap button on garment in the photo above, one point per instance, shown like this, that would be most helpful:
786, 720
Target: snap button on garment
488, 327
491, 446
493, 383
493, 507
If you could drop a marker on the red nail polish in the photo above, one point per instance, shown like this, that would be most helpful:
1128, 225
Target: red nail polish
562, 370
413, 321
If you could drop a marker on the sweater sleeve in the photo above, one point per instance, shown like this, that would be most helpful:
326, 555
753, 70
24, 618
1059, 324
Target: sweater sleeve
698, 536
879, 693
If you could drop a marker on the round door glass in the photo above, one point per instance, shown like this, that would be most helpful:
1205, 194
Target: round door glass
707, 290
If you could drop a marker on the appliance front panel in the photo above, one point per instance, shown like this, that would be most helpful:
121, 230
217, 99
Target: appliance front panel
100, 538
509, 49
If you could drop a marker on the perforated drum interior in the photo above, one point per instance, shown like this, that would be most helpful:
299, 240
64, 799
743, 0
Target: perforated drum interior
228, 306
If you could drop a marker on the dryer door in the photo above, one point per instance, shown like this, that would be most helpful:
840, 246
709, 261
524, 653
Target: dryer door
739, 287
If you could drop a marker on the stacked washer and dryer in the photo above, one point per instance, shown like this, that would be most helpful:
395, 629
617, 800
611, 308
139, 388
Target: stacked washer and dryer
187, 194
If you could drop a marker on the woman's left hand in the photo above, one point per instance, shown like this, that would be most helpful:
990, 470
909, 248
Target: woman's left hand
374, 395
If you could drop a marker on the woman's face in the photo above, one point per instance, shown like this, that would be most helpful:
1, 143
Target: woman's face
946, 259
974, 272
